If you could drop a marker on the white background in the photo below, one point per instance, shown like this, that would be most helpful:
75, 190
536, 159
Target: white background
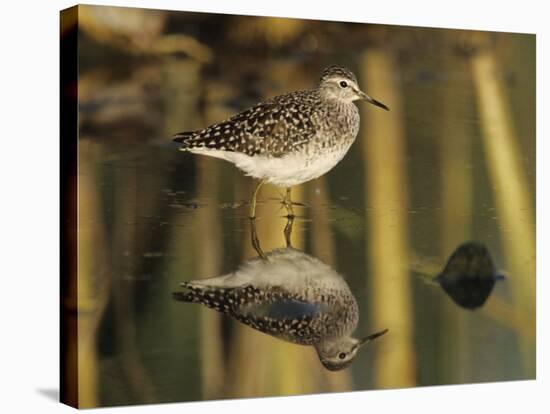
29, 235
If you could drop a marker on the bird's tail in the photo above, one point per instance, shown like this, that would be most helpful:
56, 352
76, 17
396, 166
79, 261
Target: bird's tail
190, 294
212, 297
183, 137
183, 296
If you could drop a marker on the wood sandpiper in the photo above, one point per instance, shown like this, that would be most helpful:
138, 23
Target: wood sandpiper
289, 139
291, 296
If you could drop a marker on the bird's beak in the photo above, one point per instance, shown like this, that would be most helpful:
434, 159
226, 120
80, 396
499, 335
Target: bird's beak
373, 101
367, 339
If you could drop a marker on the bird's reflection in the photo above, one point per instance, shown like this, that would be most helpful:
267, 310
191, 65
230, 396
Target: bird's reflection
290, 295
469, 275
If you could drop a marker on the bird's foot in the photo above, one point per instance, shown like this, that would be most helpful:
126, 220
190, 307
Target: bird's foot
287, 203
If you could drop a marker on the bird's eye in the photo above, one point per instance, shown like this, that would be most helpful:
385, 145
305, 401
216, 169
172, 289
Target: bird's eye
343, 84
342, 355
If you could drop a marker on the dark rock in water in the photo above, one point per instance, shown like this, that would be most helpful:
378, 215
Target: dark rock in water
469, 275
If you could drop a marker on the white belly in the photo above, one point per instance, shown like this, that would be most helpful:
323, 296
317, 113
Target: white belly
285, 171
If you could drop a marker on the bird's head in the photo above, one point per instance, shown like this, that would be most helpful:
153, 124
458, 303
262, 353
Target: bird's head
337, 354
341, 84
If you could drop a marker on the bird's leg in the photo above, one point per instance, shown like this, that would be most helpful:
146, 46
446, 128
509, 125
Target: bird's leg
253, 201
254, 238
288, 230
287, 201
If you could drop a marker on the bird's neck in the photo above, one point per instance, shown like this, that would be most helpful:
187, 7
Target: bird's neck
328, 94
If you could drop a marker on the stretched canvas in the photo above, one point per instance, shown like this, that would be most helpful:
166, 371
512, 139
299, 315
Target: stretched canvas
256, 206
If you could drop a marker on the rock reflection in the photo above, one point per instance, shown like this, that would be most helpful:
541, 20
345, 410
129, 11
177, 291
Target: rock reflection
292, 296
469, 275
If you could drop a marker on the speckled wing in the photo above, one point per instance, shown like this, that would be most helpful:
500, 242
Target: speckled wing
275, 312
283, 308
275, 303
276, 126
283, 316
